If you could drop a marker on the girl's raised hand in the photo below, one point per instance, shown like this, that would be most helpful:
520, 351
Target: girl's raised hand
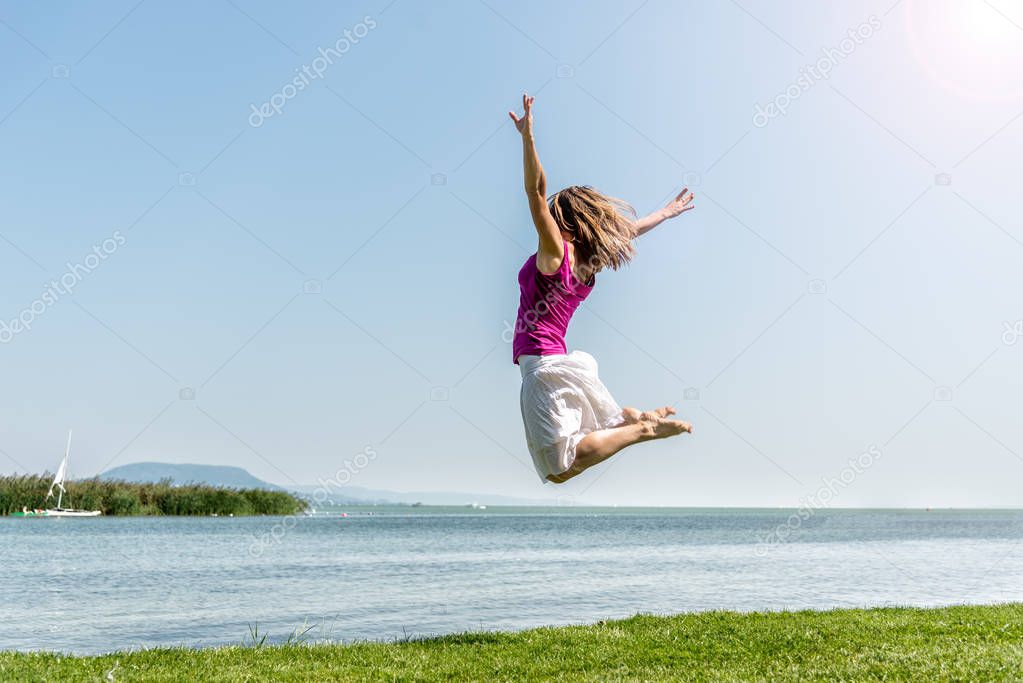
680, 204
524, 124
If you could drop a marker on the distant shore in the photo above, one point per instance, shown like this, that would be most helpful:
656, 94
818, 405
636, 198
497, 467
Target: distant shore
122, 498
952, 643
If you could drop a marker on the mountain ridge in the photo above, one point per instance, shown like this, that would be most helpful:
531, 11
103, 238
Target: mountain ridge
238, 477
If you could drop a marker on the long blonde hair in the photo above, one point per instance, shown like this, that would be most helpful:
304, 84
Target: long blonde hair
602, 227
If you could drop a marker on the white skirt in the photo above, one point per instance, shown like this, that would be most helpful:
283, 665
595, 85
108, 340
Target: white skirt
562, 401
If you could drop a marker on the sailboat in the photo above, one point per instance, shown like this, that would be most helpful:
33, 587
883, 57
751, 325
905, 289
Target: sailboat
58, 485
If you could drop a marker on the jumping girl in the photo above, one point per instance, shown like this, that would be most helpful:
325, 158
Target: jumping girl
572, 422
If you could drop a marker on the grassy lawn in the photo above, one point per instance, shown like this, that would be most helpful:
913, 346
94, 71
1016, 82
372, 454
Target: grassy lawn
956, 643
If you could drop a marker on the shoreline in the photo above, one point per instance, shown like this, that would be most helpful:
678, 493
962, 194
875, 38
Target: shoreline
978, 642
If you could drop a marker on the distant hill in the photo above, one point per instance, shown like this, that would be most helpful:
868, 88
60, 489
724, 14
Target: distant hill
236, 477
214, 475
218, 475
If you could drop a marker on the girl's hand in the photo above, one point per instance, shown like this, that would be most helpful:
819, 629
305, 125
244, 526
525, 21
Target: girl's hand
524, 124
680, 204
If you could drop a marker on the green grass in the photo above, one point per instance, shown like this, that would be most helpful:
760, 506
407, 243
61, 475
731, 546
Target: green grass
892, 644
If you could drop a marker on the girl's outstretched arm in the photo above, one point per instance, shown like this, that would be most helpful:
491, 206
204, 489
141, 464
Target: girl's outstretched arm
676, 207
551, 251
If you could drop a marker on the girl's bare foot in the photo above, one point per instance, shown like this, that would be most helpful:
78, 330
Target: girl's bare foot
665, 428
658, 414
631, 416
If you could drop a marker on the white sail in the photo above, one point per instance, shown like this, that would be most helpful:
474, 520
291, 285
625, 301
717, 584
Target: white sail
58, 481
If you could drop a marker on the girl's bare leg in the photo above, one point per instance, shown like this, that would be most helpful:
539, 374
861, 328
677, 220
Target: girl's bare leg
596, 447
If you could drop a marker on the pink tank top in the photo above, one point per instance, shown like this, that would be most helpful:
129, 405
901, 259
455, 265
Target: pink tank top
546, 305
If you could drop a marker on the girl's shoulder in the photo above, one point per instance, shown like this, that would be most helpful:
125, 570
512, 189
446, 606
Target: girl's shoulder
552, 264
580, 274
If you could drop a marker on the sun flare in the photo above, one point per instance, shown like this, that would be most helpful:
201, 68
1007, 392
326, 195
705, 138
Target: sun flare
973, 47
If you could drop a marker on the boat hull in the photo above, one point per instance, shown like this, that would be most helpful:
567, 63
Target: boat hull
58, 513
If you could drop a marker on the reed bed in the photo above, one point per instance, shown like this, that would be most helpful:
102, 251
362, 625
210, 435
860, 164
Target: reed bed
124, 498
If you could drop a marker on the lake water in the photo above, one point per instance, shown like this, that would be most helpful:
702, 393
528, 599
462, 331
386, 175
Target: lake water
94, 585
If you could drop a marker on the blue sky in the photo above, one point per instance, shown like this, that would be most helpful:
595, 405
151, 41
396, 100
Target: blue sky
341, 276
